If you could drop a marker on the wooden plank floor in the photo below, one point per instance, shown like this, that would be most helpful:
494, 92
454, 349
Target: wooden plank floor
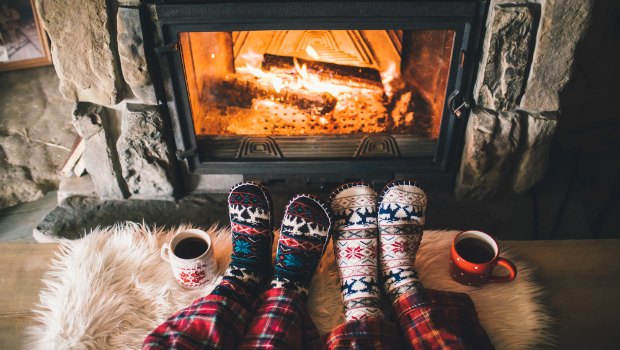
22, 266
582, 279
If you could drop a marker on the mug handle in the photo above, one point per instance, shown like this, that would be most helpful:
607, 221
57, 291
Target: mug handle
510, 267
165, 252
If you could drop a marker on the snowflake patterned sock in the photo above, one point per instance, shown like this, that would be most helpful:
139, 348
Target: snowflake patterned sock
303, 238
402, 206
355, 248
249, 207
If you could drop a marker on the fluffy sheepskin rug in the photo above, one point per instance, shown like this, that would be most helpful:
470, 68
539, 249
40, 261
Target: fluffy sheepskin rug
109, 289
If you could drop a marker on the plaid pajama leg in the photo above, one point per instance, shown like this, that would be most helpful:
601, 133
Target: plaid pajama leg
211, 322
368, 333
433, 319
281, 321
428, 319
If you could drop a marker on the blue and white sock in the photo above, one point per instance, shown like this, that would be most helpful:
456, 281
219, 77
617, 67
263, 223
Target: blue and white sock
303, 238
250, 212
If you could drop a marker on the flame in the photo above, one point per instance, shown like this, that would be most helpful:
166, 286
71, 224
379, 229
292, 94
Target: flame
312, 52
252, 58
313, 83
387, 77
302, 79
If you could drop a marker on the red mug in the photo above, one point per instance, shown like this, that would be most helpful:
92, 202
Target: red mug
473, 256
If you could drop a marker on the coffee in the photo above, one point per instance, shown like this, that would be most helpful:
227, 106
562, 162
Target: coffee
475, 250
190, 248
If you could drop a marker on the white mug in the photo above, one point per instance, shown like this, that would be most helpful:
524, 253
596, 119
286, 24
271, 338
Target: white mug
191, 257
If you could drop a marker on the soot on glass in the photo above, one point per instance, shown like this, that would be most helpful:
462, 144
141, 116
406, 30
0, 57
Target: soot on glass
475, 250
190, 248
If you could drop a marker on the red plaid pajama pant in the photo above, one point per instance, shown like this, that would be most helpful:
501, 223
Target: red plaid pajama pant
427, 319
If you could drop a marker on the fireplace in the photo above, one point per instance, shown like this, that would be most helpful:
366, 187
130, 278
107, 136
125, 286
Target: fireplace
346, 91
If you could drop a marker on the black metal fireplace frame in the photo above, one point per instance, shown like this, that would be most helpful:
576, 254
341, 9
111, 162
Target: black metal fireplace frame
437, 171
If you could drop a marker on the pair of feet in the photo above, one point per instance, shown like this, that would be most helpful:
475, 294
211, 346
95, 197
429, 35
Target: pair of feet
364, 225
304, 235
376, 235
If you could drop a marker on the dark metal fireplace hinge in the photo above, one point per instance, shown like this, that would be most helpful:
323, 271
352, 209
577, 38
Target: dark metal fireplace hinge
458, 103
171, 47
186, 154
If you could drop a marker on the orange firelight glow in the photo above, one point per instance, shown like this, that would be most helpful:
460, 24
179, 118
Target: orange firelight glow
315, 83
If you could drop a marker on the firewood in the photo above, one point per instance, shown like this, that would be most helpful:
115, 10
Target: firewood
240, 91
327, 70
74, 156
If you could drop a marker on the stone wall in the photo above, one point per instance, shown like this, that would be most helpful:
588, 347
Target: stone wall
30, 155
527, 59
98, 53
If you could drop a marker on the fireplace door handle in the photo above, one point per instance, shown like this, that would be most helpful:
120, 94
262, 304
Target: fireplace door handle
457, 104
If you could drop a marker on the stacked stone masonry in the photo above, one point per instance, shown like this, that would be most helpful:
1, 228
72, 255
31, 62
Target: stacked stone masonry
527, 61
92, 123
145, 155
128, 153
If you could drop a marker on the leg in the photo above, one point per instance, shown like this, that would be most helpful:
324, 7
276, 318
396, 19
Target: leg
433, 319
429, 319
219, 320
402, 208
355, 249
281, 320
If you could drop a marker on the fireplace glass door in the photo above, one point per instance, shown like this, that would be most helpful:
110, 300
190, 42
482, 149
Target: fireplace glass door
361, 93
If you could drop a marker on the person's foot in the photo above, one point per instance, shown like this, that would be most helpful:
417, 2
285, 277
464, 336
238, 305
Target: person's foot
355, 248
251, 221
402, 208
303, 237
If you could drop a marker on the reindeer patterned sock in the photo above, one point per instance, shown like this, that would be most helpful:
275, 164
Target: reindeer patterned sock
402, 205
303, 238
249, 207
355, 248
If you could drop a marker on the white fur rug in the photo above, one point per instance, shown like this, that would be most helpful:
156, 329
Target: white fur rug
109, 289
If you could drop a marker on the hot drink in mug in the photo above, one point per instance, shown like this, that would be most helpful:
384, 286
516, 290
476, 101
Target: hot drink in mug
473, 256
190, 255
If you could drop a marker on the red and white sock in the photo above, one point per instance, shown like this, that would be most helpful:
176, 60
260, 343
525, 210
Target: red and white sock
355, 249
402, 208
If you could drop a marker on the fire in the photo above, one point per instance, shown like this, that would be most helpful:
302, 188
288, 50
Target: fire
387, 77
301, 79
313, 83
312, 52
324, 89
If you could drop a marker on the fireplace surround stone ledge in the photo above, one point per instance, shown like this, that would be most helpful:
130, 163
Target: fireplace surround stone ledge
527, 59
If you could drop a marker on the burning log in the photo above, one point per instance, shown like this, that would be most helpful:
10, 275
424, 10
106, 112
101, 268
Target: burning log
363, 75
239, 91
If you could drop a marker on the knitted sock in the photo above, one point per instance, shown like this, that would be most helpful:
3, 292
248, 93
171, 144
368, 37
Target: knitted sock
355, 248
402, 205
249, 207
303, 238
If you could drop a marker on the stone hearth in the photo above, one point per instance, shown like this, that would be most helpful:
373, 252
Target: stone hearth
99, 54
